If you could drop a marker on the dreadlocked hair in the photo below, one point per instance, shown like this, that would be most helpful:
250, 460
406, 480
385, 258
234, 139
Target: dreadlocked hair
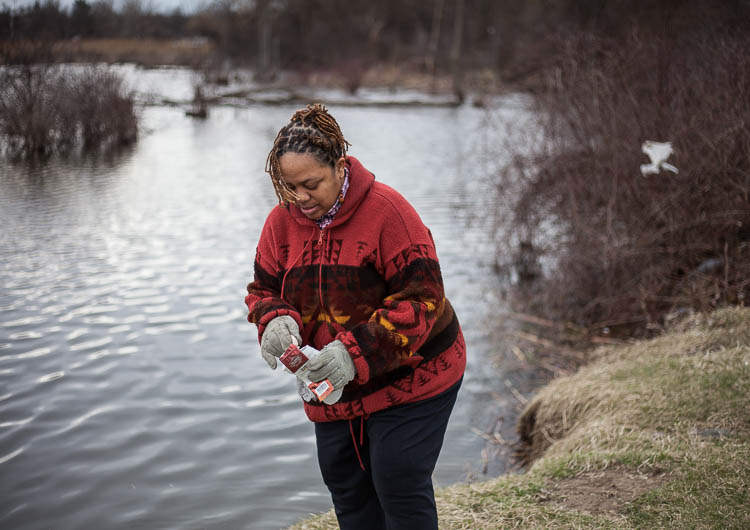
310, 130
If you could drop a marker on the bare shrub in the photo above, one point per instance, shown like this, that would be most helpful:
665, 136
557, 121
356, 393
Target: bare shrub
46, 108
100, 106
601, 244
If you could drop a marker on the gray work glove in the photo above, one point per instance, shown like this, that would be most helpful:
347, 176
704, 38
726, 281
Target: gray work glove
304, 392
277, 337
333, 363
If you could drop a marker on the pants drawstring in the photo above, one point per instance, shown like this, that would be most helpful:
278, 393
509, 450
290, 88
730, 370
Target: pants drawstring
361, 439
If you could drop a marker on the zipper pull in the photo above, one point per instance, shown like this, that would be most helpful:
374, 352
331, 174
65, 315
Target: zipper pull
320, 237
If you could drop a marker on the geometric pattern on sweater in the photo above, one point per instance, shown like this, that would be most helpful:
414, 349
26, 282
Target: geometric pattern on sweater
372, 280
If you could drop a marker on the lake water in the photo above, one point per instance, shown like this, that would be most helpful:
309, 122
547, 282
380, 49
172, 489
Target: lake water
132, 392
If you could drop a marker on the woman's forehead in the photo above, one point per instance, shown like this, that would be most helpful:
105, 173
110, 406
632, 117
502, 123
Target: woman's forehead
300, 166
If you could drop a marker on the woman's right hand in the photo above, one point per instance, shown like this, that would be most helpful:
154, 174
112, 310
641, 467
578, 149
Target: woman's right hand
278, 335
333, 363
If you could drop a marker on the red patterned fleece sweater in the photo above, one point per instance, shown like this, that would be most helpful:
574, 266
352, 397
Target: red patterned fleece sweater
370, 279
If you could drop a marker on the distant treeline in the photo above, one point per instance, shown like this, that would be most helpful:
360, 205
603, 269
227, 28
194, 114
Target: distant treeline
516, 37
99, 19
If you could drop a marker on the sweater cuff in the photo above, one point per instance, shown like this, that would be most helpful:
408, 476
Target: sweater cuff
360, 364
268, 317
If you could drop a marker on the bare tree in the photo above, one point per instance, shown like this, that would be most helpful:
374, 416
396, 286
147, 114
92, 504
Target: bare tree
456, 66
432, 52
264, 16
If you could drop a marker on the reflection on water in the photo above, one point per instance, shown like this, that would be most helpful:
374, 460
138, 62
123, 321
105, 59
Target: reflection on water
132, 392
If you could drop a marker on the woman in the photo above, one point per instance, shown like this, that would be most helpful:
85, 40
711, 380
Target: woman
345, 264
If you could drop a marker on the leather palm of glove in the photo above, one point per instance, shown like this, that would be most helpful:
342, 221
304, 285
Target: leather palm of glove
333, 363
278, 335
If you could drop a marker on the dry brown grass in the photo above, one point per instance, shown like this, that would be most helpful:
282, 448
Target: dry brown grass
616, 393
148, 52
353, 75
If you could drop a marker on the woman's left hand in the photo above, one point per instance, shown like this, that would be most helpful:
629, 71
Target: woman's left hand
333, 363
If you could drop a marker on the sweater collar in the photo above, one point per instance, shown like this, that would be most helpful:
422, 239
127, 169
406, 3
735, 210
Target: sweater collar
360, 181
328, 218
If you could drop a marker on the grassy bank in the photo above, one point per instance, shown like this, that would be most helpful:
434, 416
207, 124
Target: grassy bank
650, 435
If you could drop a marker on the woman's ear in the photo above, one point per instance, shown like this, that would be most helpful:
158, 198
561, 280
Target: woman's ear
339, 167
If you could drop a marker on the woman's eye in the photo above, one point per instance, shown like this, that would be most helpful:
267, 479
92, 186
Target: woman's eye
311, 186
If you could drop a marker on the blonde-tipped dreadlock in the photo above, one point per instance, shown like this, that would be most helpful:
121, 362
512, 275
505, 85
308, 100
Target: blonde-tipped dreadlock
310, 130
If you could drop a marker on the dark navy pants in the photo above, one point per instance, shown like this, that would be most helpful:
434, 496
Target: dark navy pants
399, 448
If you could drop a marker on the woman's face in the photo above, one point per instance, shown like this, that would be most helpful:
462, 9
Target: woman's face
316, 185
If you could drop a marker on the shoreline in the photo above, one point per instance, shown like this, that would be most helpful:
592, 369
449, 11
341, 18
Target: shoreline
653, 434
225, 81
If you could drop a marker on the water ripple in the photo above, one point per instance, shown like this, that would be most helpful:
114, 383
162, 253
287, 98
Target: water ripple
198, 337
77, 332
16, 423
25, 335
91, 344
54, 376
11, 456
38, 352
80, 420
26, 321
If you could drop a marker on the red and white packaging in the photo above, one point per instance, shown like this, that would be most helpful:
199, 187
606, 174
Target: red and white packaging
295, 361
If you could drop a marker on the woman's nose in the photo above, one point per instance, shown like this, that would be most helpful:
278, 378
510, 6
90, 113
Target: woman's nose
302, 196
